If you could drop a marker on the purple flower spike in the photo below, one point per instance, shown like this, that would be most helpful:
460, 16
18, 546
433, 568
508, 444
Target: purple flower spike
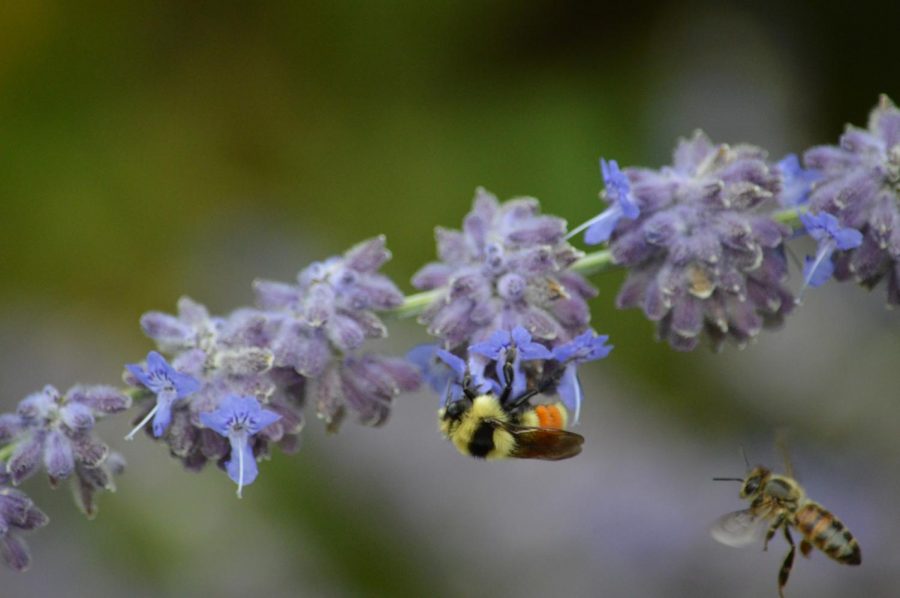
239, 419
618, 193
827, 230
167, 384
860, 186
704, 258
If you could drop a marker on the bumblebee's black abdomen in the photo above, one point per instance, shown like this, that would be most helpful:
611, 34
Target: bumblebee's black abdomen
482, 441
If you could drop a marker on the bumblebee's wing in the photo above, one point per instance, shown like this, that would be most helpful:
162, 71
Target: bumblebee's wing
550, 444
739, 528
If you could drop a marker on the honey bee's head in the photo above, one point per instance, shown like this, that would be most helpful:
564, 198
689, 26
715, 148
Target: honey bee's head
755, 481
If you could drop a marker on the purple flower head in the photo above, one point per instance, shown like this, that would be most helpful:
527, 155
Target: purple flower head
827, 230
167, 384
585, 347
860, 186
703, 257
365, 385
239, 419
796, 181
618, 194
56, 431
330, 309
507, 267
17, 514
192, 328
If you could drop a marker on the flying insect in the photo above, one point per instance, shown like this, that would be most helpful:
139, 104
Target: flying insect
779, 502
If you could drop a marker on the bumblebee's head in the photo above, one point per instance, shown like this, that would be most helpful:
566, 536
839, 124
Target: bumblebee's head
451, 414
754, 481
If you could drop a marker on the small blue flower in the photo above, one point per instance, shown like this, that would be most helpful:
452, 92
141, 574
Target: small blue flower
434, 371
238, 419
797, 181
497, 346
827, 230
496, 349
583, 348
618, 193
167, 384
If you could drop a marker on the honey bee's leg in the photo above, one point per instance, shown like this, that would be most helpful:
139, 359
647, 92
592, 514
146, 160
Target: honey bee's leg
805, 548
788, 563
772, 529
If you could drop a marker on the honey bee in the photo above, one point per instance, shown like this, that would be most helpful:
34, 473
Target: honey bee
490, 426
780, 502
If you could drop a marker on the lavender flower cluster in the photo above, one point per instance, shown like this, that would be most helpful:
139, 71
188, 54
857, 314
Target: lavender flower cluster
237, 384
54, 432
703, 242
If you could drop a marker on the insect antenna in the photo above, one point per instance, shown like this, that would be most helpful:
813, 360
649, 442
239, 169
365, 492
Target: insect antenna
744, 455
728, 479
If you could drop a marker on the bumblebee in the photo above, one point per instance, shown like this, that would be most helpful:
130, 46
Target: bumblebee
490, 426
780, 502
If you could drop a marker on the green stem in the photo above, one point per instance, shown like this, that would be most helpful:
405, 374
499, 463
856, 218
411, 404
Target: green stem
591, 263
6, 452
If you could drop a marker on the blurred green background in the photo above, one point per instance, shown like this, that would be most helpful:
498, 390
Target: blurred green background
150, 150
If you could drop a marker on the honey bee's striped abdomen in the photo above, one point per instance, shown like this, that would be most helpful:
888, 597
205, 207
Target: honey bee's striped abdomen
826, 532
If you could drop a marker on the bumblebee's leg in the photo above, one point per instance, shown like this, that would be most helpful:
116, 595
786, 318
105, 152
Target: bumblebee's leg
468, 388
785, 571
509, 371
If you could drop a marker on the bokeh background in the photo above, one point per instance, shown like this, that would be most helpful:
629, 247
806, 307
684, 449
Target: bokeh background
150, 150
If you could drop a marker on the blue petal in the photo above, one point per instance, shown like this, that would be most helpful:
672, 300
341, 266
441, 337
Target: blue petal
847, 238
494, 346
217, 420
233, 466
526, 348
163, 417
185, 384
435, 371
138, 372
456, 364
569, 390
601, 227
157, 363
264, 419
797, 181
817, 271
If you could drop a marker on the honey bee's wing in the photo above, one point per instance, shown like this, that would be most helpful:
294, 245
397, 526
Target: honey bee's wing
550, 444
739, 528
